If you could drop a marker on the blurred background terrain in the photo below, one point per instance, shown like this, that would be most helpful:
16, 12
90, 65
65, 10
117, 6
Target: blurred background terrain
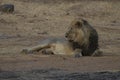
34, 20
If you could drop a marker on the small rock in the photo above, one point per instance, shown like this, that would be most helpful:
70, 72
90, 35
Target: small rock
7, 8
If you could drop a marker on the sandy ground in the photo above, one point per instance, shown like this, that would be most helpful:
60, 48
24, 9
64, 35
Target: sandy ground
34, 20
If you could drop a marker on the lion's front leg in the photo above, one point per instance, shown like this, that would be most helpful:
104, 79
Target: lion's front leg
35, 48
77, 53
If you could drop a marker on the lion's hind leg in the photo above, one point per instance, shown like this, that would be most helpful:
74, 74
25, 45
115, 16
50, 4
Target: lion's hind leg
47, 51
35, 49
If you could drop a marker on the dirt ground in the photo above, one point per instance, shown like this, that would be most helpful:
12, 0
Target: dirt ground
35, 20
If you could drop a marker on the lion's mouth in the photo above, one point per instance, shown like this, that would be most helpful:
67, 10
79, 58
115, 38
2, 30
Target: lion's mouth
68, 38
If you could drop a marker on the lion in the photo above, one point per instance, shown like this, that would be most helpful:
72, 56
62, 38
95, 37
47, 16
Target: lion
81, 39
54, 46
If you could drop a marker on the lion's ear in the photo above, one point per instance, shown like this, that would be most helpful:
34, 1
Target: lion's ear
78, 24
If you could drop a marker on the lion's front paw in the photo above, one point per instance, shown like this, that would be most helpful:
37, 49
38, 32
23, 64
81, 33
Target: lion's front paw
78, 55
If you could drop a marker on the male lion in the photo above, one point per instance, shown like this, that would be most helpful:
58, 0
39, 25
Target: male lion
81, 39
83, 36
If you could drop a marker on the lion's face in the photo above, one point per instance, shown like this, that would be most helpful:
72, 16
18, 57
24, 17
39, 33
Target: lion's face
75, 33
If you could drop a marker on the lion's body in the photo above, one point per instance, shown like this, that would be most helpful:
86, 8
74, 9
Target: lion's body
81, 39
57, 46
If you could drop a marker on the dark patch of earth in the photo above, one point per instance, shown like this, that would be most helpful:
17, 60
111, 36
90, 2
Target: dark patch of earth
57, 74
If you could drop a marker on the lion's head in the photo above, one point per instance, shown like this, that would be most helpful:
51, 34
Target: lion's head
75, 32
